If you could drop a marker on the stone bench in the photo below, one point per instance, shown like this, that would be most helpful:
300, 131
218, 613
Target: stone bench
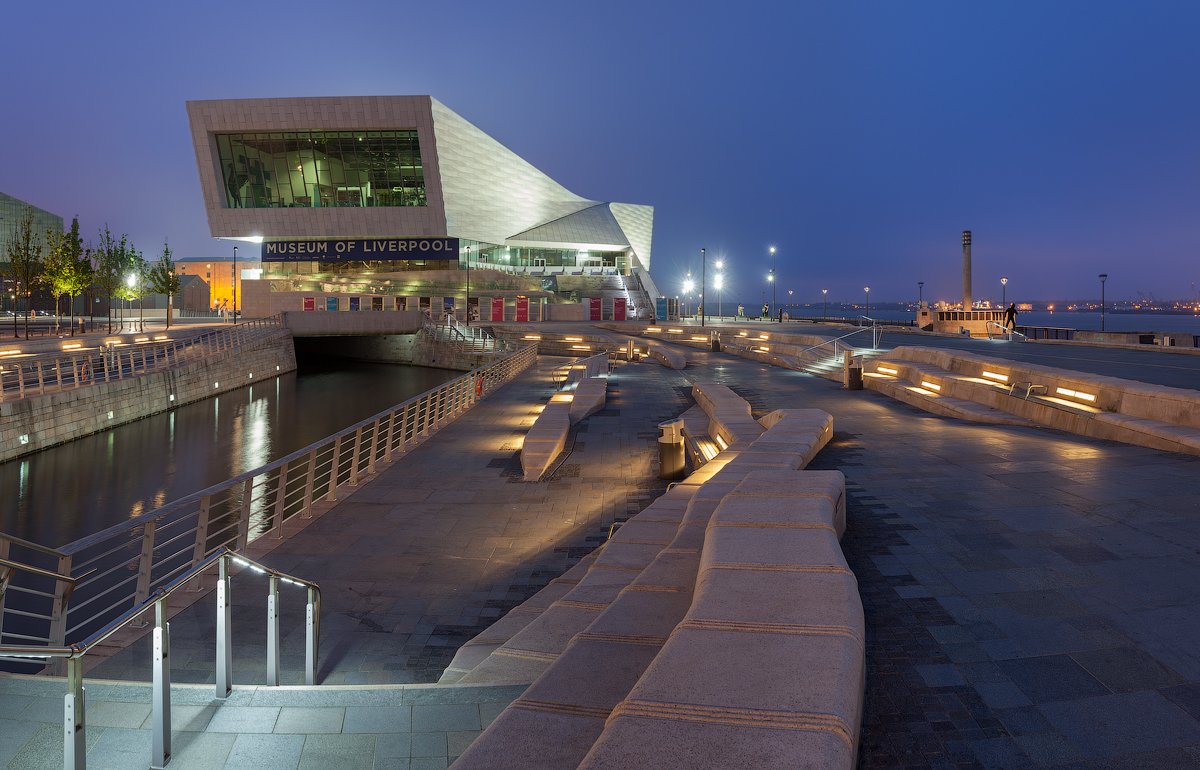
667, 356
589, 396
546, 439
767, 667
729, 414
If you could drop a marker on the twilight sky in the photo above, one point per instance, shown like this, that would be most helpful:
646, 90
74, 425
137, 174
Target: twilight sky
859, 136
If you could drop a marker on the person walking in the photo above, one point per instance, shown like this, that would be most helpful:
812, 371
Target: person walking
1010, 317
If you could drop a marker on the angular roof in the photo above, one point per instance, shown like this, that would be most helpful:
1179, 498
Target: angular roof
593, 226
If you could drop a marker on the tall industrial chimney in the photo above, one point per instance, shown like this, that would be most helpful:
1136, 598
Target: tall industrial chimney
966, 269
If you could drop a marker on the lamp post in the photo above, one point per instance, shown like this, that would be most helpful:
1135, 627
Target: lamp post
235, 282
703, 282
1103, 278
719, 284
790, 293
130, 281
920, 292
867, 292
688, 285
1003, 291
824, 303
771, 279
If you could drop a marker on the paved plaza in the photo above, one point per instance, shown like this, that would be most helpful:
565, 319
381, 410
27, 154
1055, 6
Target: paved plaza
1029, 595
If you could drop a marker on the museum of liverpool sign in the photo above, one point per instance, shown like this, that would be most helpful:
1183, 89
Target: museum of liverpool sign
346, 249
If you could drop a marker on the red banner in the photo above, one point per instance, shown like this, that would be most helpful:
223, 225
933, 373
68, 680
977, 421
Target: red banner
522, 308
619, 309
310, 303
594, 308
497, 309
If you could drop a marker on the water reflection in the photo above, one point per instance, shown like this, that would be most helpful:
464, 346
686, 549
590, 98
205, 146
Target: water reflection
75, 489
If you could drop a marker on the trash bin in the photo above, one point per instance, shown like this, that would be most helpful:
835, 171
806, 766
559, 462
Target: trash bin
852, 372
671, 460
715, 342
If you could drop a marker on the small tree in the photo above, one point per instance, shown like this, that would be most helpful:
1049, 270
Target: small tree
26, 260
67, 270
163, 280
131, 273
108, 261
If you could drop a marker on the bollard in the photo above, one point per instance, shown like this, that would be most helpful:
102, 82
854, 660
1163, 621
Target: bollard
852, 374
714, 342
671, 458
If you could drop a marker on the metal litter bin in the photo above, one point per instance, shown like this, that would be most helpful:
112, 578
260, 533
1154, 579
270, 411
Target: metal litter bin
671, 458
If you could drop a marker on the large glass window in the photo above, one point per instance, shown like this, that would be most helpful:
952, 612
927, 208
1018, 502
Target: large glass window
321, 168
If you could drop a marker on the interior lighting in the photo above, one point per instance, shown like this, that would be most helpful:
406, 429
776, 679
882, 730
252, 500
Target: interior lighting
886, 370
995, 376
1075, 394
930, 385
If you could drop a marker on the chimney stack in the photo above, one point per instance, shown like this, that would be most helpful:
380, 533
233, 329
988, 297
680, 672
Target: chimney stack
966, 243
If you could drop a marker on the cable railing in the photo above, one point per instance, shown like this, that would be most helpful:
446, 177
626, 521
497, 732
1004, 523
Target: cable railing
23, 376
74, 704
123, 565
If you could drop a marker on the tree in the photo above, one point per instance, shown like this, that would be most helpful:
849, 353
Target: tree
68, 268
26, 260
131, 273
163, 280
109, 261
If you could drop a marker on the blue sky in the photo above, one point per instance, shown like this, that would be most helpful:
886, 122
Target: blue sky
859, 137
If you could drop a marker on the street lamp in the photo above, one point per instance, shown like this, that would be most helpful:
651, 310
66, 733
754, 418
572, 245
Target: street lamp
1103, 278
790, 293
703, 281
867, 292
1003, 291
771, 280
719, 285
824, 303
235, 282
130, 281
688, 285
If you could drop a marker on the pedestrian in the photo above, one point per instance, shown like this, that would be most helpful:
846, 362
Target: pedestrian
1010, 317
766, 311
780, 315
741, 311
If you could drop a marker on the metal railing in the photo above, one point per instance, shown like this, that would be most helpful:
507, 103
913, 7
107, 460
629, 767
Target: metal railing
37, 375
1003, 331
468, 339
129, 561
74, 714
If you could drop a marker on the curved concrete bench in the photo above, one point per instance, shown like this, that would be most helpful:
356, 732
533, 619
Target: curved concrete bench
668, 357
728, 413
767, 668
588, 398
639, 589
546, 439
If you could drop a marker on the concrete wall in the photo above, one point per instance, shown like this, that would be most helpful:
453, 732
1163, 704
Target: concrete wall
56, 418
414, 349
315, 324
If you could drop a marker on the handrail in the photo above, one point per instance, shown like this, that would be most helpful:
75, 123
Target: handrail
37, 571
834, 340
74, 738
1010, 333
124, 571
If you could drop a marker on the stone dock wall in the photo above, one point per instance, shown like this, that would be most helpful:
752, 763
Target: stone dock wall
39, 422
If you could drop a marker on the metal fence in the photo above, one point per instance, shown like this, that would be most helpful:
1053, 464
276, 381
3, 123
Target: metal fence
53, 372
121, 566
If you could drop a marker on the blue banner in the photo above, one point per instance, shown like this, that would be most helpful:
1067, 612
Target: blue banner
660, 308
356, 249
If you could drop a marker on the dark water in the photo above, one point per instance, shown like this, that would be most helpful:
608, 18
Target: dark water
72, 490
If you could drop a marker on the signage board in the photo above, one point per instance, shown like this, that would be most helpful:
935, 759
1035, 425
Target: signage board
355, 303
331, 304
618, 308
660, 309
594, 309
353, 249
497, 308
310, 303
522, 308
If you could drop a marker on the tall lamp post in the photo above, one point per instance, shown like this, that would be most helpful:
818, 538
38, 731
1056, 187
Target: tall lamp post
1103, 278
235, 282
771, 279
1004, 291
719, 285
824, 303
867, 292
688, 285
790, 293
703, 282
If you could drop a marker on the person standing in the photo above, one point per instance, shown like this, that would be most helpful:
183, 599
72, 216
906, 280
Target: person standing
1010, 317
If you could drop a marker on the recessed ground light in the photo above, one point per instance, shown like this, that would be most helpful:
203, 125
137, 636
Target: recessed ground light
930, 385
995, 376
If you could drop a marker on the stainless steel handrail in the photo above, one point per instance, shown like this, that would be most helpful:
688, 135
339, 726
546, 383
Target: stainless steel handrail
1010, 333
834, 341
74, 717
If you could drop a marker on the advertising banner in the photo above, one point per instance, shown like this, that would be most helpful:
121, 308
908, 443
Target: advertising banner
594, 309
310, 303
347, 249
331, 304
497, 308
522, 308
619, 309
355, 303
660, 309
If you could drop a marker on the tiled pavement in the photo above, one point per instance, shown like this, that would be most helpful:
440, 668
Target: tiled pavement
400, 728
1030, 596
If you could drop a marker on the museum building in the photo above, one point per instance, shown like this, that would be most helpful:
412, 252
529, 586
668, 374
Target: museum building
386, 199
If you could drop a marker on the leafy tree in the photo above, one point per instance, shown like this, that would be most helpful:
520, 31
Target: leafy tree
110, 261
132, 269
163, 280
26, 260
68, 268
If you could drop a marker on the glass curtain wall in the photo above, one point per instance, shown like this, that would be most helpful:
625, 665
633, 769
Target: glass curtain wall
321, 169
